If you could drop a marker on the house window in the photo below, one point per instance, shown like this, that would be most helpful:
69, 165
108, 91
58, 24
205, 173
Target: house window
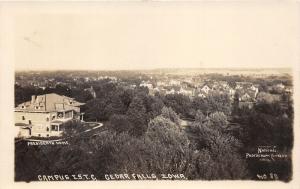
23, 117
36, 107
29, 122
60, 115
54, 127
68, 114
22, 107
53, 117
47, 119
47, 129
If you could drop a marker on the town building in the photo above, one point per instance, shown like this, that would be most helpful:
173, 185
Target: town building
147, 84
206, 89
45, 115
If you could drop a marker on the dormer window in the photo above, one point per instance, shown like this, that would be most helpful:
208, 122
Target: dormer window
71, 102
36, 107
23, 107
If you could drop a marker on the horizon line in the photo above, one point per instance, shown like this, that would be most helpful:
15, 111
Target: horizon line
150, 69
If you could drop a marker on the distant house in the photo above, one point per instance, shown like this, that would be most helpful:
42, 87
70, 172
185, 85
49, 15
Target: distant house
188, 80
161, 83
205, 88
246, 97
288, 89
280, 86
148, 85
188, 91
201, 95
267, 97
174, 82
246, 91
153, 91
255, 90
133, 86
114, 79
45, 115
231, 93
224, 84
172, 91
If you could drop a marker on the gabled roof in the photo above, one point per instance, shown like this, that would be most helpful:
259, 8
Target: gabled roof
247, 92
48, 102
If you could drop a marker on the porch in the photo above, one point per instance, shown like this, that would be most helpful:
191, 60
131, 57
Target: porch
56, 128
68, 115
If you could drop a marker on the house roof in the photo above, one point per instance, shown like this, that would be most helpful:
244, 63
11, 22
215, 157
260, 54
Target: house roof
246, 93
48, 102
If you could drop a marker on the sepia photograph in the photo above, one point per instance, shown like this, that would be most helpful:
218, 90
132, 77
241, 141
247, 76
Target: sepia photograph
154, 124
151, 91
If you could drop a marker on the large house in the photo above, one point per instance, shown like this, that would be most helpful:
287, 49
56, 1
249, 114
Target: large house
45, 115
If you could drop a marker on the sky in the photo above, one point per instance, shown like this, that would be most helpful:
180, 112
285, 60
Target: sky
157, 35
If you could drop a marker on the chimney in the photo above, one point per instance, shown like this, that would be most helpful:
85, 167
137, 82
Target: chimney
32, 99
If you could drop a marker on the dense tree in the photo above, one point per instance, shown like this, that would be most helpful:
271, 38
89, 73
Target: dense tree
95, 110
62, 90
126, 97
213, 102
232, 84
144, 133
264, 97
200, 104
218, 102
120, 123
119, 153
156, 107
141, 90
168, 113
104, 89
80, 95
266, 125
274, 108
137, 114
200, 117
115, 106
235, 104
23, 94
221, 151
165, 131
169, 146
181, 104
219, 120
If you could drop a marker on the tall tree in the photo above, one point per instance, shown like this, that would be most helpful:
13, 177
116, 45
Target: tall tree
137, 116
120, 123
168, 113
235, 105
